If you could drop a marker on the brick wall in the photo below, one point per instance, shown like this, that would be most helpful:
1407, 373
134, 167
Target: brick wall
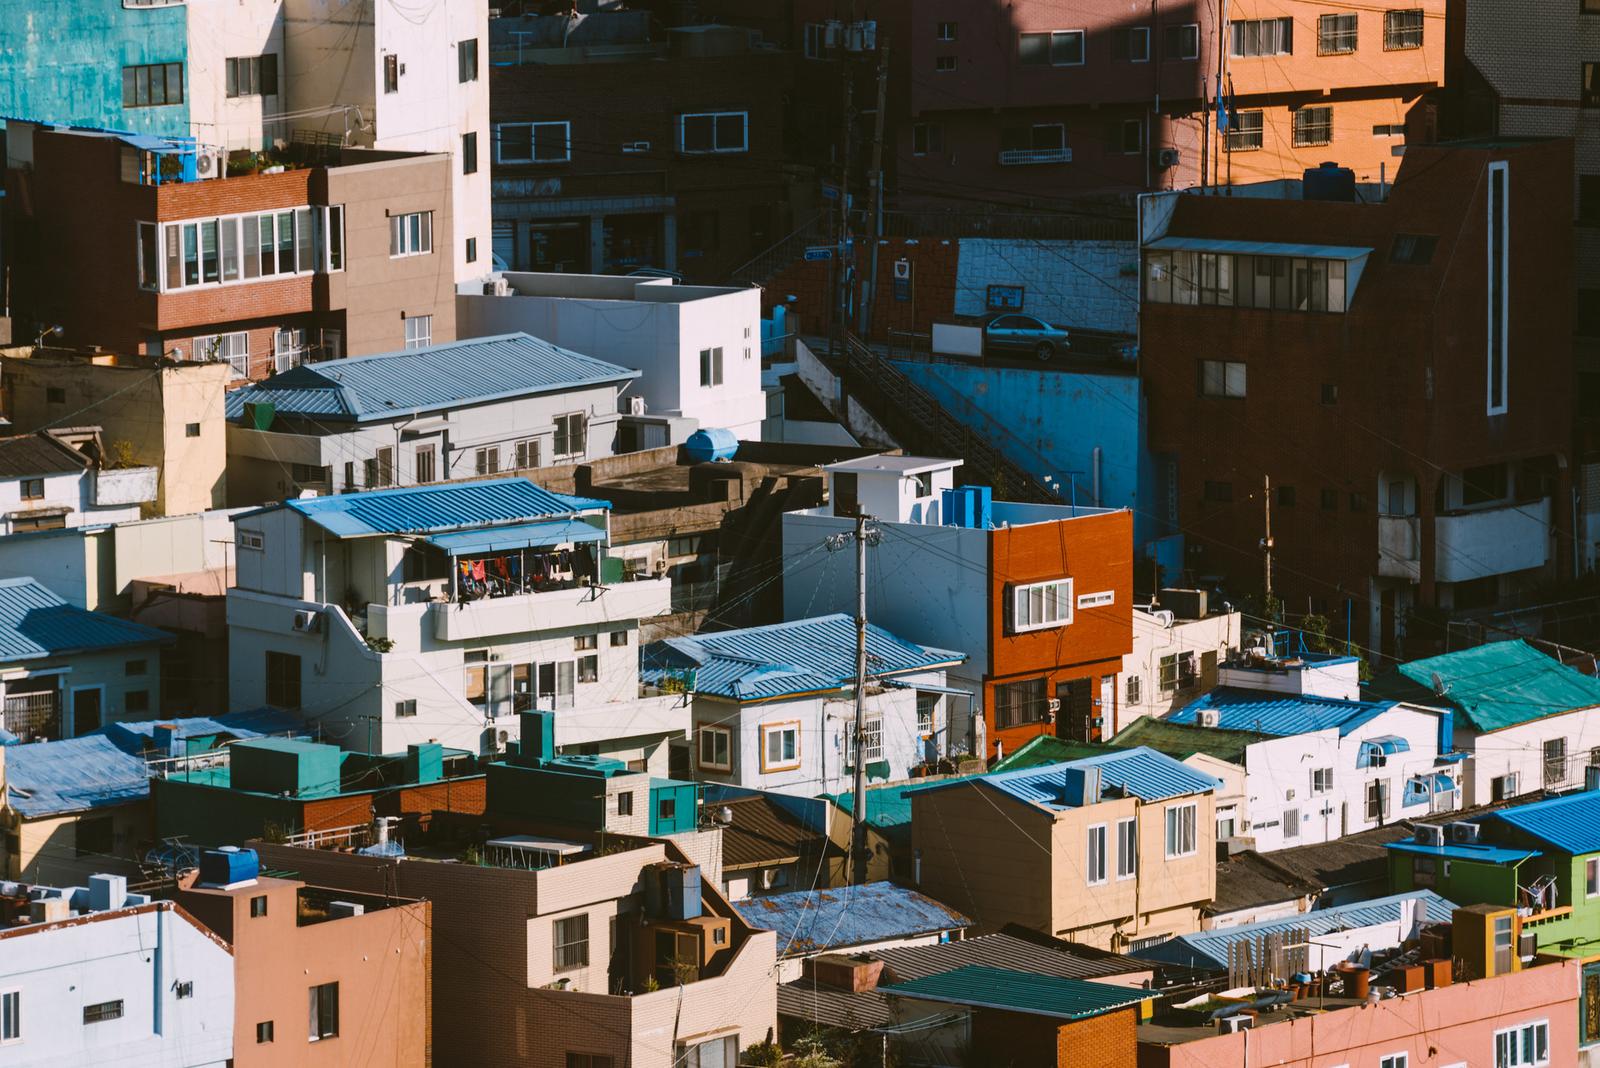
1020, 1040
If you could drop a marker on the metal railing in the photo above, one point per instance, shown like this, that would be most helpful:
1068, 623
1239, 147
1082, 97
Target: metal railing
32, 715
1012, 157
785, 251
352, 836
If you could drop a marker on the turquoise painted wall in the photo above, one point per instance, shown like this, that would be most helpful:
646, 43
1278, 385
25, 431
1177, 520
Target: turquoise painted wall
61, 61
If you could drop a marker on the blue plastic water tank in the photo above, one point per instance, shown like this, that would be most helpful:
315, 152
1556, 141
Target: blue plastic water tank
228, 866
714, 443
1328, 182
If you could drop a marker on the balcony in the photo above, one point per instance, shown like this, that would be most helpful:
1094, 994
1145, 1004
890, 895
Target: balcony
1492, 541
1018, 157
578, 606
124, 486
1400, 547
32, 716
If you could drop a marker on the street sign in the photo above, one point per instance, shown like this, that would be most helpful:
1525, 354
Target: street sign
819, 252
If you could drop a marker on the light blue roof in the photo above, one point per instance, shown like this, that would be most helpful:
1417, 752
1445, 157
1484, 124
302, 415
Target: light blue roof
72, 775
1141, 772
516, 536
1479, 851
783, 659
811, 921
134, 736
1258, 248
36, 623
1570, 823
1282, 714
428, 509
393, 385
1208, 950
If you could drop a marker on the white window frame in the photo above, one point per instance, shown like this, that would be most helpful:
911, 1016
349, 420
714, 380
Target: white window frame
711, 367
1022, 597
232, 348
288, 347
534, 155
13, 996
715, 149
1135, 691
583, 443
940, 34
708, 732
527, 453
872, 730
1239, 29
1139, 33
1498, 366
482, 457
419, 336
1050, 46
1591, 876
326, 242
778, 730
1321, 780
406, 239
1395, 1060
1127, 848
1224, 378
1094, 855
1098, 599
1520, 1038
1176, 817
929, 703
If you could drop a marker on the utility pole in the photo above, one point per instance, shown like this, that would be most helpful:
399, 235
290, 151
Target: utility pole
1266, 547
875, 191
858, 807
841, 276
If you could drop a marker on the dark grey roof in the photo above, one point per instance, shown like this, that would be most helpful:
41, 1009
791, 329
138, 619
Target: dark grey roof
30, 455
829, 1006
1002, 951
1249, 879
762, 833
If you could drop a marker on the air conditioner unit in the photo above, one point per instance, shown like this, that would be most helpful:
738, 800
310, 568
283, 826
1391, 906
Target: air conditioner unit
1207, 717
1167, 157
497, 287
1233, 1024
308, 622
208, 162
1055, 704
1430, 834
1463, 832
635, 146
768, 878
1288, 795
635, 405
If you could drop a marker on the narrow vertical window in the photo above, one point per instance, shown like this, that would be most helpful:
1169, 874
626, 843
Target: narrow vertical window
1499, 266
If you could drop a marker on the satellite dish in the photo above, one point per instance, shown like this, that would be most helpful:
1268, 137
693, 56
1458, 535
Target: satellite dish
1440, 687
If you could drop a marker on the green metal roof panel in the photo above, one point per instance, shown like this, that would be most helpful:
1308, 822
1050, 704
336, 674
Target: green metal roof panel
1038, 995
1048, 749
1494, 686
1183, 740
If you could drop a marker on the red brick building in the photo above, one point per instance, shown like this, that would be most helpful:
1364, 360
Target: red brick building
1398, 364
331, 256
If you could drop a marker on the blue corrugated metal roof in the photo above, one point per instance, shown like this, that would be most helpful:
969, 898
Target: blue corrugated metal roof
801, 656
1275, 713
810, 921
1258, 248
426, 509
393, 385
72, 775
517, 536
1208, 950
35, 623
1027, 992
136, 736
1487, 854
1570, 824
1141, 772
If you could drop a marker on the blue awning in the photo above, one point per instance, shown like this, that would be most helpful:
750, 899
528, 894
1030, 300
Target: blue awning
1386, 745
487, 540
1257, 248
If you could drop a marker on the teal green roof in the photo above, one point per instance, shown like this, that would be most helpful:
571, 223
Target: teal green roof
1048, 749
890, 806
1183, 740
1493, 686
1029, 992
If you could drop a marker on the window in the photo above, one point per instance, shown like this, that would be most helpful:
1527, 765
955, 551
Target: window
816, 40
666, 809
1313, 126
263, 1032
1378, 800
1589, 92
1039, 605
486, 461
527, 453
1402, 29
619, 638
944, 64
10, 1016
719, 131
1177, 670
102, 1011
1131, 45
1044, 142
391, 73
1591, 877
711, 367
1058, 48
283, 680
1181, 42
1094, 870
1330, 394
149, 255
258, 906
411, 234
570, 943
467, 60
1358, 502
625, 803
1519, 1047
191, 430
1504, 786
419, 331
588, 669
152, 85
252, 76
405, 709
717, 1053
1017, 703
425, 463
1132, 137
1127, 848
472, 242
1261, 37
469, 152
1395, 1060
1217, 492
780, 746
135, 701
572, 434
926, 138
944, 31
33, 489
534, 142
1499, 285
589, 1060
1135, 690
95, 836
1181, 839
1336, 35
1412, 249
1555, 761
1321, 780
324, 1012
1389, 129
683, 547
132, 668
1244, 131
1222, 379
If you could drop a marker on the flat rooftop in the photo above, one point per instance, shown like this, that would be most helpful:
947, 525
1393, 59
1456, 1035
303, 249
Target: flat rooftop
1159, 1033
905, 465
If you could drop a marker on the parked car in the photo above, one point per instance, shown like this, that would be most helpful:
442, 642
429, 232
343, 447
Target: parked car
1026, 334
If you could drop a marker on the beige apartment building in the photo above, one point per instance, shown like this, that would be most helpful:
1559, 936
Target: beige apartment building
1115, 851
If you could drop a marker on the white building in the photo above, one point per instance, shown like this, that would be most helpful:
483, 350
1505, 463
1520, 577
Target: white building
403, 616
458, 410
56, 479
773, 707
1318, 763
1525, 721
1172, 658
699, 347
102, 977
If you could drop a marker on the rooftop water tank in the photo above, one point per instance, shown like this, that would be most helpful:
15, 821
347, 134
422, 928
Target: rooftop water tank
712, 444
1329, 182
228, 866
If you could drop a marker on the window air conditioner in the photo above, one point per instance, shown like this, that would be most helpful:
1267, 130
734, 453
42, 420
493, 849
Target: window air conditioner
307, 622
1167, 157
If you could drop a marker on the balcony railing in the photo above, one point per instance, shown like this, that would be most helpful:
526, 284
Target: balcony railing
1492, 541
1014, 157
576, 606
32, 715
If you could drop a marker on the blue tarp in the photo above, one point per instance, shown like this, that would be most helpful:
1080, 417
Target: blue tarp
516, 536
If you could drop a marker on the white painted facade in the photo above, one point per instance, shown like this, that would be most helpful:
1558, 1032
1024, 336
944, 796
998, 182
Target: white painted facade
86, 498
1160, 645
658, 328
386, 662
220, 30
1520, 751
86, 690
140, 983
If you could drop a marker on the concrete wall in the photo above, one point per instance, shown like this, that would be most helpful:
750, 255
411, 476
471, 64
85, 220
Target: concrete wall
219, 30
1092, 284
104, 673
49, 847
1151, 643
1520, 750
73, 492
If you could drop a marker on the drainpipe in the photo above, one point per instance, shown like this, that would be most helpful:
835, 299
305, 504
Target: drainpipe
1097, 455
